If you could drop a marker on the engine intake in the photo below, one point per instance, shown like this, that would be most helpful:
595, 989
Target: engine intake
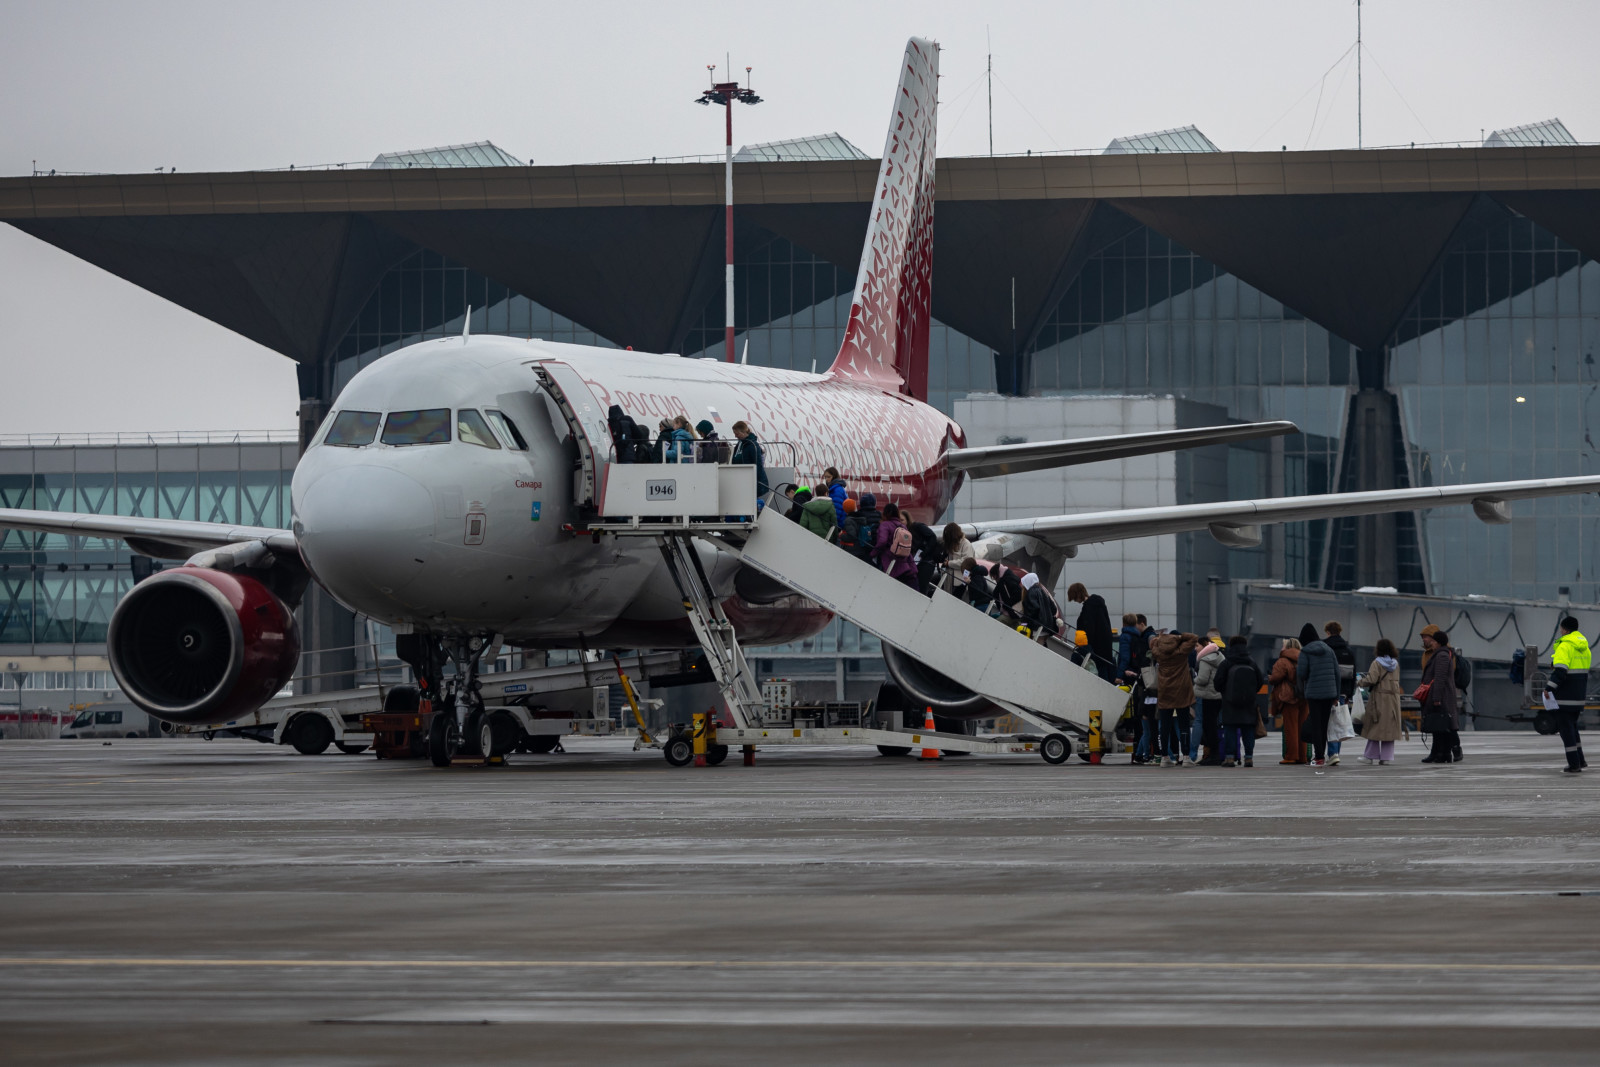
194, 645
925, 687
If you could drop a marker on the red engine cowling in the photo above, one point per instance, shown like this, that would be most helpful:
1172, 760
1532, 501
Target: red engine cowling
193, 645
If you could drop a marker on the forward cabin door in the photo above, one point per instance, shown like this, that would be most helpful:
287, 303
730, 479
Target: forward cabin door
587, 421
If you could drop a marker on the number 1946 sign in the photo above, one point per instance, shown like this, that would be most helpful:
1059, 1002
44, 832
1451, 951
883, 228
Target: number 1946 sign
661, 489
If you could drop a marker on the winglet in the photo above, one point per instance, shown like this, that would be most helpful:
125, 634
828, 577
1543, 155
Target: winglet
886, 340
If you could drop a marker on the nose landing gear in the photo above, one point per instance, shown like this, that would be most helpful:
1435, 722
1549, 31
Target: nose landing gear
460, 725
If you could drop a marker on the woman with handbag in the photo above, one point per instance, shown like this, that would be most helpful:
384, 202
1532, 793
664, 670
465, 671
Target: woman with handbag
1437, 695
1380, 725
1288, 703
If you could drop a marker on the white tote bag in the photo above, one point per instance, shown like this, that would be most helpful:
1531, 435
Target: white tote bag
1358, 709
1339, 728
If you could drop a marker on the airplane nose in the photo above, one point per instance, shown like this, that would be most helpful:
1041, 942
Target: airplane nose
366, 525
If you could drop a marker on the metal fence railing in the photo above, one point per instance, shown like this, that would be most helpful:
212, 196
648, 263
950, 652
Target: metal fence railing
151, 437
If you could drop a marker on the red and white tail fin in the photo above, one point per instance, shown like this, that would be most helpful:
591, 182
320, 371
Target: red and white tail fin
886, 341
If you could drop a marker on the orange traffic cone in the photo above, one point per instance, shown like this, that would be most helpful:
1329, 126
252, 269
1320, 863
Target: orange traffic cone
927, 726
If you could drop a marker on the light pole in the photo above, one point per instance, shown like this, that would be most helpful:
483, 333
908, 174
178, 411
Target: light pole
725, 93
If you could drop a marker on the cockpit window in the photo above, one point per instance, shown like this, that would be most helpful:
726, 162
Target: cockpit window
430, 426
471, 428
507, 428
352, 429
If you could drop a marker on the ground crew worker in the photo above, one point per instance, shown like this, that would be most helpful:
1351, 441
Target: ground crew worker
1569, 685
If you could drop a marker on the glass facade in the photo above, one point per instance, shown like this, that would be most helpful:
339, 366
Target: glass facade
1494, 366
426, 296
791, 308
1146, 315
1493, 369
60, 590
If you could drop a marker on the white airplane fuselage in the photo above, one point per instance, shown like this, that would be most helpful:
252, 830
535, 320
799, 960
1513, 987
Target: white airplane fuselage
454, 538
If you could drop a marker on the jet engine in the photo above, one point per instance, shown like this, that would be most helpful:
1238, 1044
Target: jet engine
199, 645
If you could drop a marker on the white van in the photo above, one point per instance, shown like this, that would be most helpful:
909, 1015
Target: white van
108, 722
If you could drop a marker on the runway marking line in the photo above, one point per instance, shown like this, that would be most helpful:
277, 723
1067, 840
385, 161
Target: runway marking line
899, 964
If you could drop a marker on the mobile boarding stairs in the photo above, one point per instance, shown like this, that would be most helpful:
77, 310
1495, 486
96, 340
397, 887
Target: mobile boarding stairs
685, 505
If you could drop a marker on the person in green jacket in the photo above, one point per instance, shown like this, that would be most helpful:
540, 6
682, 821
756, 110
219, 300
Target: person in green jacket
816, 512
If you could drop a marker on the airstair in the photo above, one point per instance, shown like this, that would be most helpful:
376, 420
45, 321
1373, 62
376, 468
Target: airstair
980, 653
1039, 686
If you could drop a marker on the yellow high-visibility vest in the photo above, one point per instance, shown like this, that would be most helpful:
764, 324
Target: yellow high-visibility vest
1571, 652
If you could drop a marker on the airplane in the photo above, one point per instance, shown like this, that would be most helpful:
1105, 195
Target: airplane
449, 493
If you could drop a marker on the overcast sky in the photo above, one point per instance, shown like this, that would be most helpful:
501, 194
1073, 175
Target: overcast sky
116, 87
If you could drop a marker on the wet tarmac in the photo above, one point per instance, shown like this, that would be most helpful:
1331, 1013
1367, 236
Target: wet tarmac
192, 903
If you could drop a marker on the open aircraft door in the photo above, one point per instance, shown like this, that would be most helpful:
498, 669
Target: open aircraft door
586, 419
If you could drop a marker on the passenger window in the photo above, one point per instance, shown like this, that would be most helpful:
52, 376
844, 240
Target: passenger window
507, 428
352, 429
430, 426
471, 428
107, 718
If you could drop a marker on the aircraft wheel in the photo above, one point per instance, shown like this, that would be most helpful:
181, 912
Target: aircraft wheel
1545, 723
715, 754
497, 734
539, 744
893, 750
312, 735
679, 751
1055, 748
208, 735
443, 739
350, 750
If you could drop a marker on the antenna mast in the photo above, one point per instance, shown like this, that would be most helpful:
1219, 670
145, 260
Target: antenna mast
990, 74
1358, 73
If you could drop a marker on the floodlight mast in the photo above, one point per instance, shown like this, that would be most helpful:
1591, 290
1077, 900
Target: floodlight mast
726, 93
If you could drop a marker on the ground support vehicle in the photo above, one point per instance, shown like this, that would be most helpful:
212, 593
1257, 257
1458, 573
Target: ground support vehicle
350, 719
705, 742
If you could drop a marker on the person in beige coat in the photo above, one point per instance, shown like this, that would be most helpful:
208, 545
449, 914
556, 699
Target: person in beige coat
1381, 723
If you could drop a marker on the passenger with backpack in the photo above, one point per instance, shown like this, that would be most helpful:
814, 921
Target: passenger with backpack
892, 551
859, 536
1238, 681
1288, 703
622, 435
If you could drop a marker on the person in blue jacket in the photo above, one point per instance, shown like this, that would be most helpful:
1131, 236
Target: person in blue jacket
834, 484
682, 450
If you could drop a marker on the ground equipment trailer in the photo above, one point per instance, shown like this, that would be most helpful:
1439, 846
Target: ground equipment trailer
317, 722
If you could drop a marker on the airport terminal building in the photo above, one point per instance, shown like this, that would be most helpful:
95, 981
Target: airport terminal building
1426, 316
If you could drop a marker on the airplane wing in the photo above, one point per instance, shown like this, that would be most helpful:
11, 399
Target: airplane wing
162, 538
995, 460
1235, 522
